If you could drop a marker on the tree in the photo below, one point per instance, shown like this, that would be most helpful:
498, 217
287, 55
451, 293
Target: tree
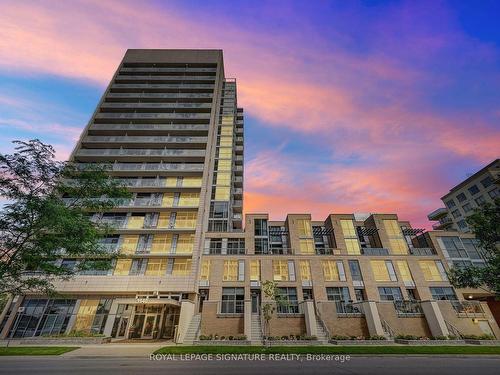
47, 216
275, 298
485, 224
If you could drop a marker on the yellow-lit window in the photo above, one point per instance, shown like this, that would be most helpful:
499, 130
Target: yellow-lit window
185, 244
226, 130
347, 228
352, 246
163, 220
430, 270
330, 271
182, 267
189, 199
85, 316
398, 246
226, 141
225, 153
306, 246
222, 193
156, 267
205, 270
255, 270
167, 200
280, 270
135, 222
230, 270
392, 228
185, 220
191, 182
305, 270
223, 178
404, 270
162, 243
171, 182
224, 165
129, 244
304, 228
227, 120
380, 271
122, 267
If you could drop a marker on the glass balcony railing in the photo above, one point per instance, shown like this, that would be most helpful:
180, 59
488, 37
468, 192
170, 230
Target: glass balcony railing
152, 127
422, 251
374, 251
140, 152
113, 115
143, 139
344, 308
155, 105
142, 86
161, 78
132, 167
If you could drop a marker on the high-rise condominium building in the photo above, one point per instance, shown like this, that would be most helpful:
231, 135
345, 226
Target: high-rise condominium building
169, 127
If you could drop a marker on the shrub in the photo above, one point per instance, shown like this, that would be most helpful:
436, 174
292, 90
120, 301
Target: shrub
480, 337
407, 337
376, 337
76, 334
439, 338
339, 337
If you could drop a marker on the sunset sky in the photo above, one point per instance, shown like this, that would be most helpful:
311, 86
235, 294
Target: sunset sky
371, 106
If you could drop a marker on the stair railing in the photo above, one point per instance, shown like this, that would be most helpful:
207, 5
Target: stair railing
320, 318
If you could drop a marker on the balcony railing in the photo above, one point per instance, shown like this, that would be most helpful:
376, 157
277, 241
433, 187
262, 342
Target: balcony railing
152, 167
374, 251
143, 139
140, 152
422, 251
152, 127
408, 308
124, 77
326, 251
112, 115
159, 95
468, 308
182, 86
155, 105
347, 309
159, 70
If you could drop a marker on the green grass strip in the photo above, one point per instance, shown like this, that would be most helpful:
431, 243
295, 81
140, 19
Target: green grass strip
459, 350
36, 350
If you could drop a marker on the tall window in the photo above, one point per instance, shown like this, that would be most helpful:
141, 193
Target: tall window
338, 294
396, 240
306, 246
230, 270
305, 270
352, 246
355, 270
390, 294
404, 270
383, 270
348, 228
432, 270
255, 270
182, 267
156, 267
233, 300
260, 227
283, 270
333, 270
122, 267
290, 303
205, 270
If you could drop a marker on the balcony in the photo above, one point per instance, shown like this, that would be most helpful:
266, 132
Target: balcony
106, 154
422, 251
163, 78
437, 214
346, 309
152, 116
159, 86
327, 251
408, 309
150, 105
468, 308
444, 223
374, 251
180, 129
144, 140
155, 95
152, 167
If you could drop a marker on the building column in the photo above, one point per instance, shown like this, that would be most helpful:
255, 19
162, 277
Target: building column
247, 320
110, 320
72, 319
185, 317
6, 308
372, 318
435, 320
13, 314
310, 318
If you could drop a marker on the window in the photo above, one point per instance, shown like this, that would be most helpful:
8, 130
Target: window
305, 270
255, 270
347, 228
261, 245
390, 269
306, 246
223, 178
360, 294
189, 199
379, 269
472, 248
184, 244
225, 152
355, 270
430, 270
156, 267
443, 293
488, 181
122, 267
473, 189
462, 224
453, 246
480, 200
233, 300
390, 294
260, 227
456, 213
352, 246
185, 220
304, 228
222, 193
404, 270
467, 207
461, 197
205, 270
223, 165
129, 244
494, 193
68, 264
230, 270
219, 210
290, 303
338, 294
135, 222
450, 203
182, 267
236, 246
281, 270
333, 270
138, 266
307, 294
162, 243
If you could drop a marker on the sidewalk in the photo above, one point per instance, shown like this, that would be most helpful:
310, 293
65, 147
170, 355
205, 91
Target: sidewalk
116, 350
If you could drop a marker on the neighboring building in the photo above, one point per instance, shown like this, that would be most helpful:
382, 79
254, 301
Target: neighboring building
460, 202
169, 126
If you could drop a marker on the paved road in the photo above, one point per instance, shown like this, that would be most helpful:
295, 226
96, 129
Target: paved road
396, 365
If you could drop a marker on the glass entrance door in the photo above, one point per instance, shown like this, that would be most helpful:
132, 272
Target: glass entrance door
149, 326
255, 301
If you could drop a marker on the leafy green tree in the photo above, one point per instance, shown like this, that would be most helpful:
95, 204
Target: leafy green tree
485, 224
274, 299
47, 216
